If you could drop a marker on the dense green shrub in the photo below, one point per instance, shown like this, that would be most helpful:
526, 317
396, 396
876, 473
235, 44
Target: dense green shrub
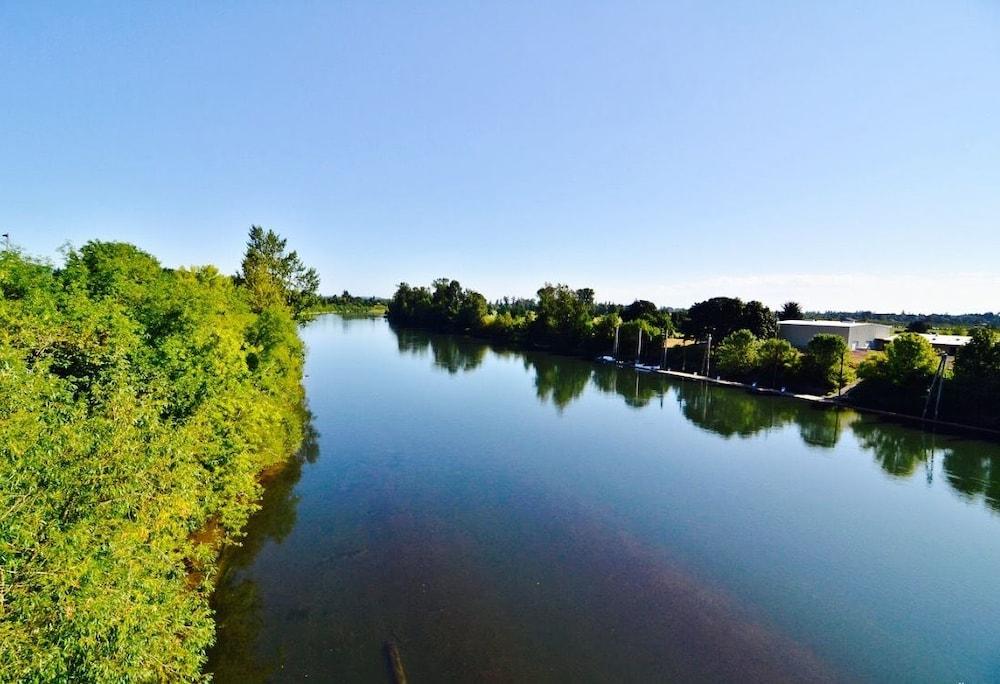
138, 403
738, 354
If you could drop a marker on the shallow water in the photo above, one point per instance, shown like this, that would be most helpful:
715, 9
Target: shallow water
523, 517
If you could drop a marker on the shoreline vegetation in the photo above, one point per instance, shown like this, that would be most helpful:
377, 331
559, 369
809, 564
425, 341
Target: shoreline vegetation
724, 338
349, 306
141, 407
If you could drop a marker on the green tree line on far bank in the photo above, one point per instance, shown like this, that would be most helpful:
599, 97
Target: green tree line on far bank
140, 405
744, 345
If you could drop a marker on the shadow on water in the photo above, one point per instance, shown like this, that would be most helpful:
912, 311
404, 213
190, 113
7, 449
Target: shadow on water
236, 601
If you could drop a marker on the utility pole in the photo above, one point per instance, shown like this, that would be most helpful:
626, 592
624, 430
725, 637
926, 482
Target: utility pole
840, 384
939, 381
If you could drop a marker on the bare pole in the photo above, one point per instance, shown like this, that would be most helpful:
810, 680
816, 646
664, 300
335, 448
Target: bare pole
937, 402
938, 381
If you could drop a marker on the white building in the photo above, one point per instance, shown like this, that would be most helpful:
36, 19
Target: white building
857, 335
948, 344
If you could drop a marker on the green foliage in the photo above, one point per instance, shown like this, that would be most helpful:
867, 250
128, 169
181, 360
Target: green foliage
347, 304
139, 404
721, 316
739, 354
564, 317
825, 362
446, 306
276, 277
909, 361
778, 360
791, 311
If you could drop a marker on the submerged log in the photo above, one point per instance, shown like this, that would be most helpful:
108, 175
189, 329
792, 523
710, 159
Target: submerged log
395, 662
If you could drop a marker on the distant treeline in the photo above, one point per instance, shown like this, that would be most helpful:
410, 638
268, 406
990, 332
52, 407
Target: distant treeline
957, 323
347, 304
567, 320
140, 405
735, 339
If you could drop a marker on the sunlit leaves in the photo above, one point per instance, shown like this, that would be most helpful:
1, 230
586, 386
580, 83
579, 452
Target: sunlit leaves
138, 404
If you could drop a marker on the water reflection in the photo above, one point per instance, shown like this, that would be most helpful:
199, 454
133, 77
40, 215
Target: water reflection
900, 451
236, 601
450, 352
973, 473
560, 381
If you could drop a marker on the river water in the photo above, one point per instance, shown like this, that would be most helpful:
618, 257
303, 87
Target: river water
507, 516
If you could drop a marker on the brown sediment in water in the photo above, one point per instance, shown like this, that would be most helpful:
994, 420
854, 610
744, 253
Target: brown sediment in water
573, 599
396, 670
212, 535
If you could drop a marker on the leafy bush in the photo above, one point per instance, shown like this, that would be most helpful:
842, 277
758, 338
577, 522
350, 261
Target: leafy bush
738, 354
139, 403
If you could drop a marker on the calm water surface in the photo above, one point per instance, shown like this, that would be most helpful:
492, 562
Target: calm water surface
522, 517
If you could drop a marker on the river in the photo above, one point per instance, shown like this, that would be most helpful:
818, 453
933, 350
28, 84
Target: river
508, 516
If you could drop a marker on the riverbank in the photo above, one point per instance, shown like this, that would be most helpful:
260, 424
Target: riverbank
832, 401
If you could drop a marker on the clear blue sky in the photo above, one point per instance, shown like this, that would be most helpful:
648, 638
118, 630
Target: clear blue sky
844, 154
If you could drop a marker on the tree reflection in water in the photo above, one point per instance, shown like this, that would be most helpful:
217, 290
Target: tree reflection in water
970, 468
236, 601
558, 380
450, 352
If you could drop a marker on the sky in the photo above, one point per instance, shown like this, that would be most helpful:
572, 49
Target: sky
845, 155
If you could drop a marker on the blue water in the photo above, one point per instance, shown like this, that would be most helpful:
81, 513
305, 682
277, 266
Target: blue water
524, 517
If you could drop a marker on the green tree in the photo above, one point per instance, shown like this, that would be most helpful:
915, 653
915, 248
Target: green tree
564, 317
273, 275
718, 316
825, 361
139, 403
759, 320
791, 311
909, 360
738, 354
778, 360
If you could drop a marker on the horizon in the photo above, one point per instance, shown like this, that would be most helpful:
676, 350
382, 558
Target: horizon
841, 157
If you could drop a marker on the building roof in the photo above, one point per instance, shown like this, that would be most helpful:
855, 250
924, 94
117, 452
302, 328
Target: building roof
948, 340
827, 324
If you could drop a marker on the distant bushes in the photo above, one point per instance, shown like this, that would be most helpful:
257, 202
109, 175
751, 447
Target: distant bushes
773, 362
561, 319
899, 379
139, 403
